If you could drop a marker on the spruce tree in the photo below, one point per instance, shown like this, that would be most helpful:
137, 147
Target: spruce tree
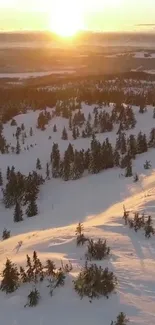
54, 128
38, 164
128, 172
47, 171
66, 167
31, 132
70, 152
87, 159
32, 209
123, 146
22, 127
33, 298
10, 277
70, 123
1, 179
18, 213
74, 135
88, 129
77, 170
6, 234
142, 108
64, 134
141, 143
121, 320
152, 138
154, 112
18, 147
77, 132
13, 122
116, 158
55, 160
132, 146
95, 157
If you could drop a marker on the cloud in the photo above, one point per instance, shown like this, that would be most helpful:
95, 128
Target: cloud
145, 25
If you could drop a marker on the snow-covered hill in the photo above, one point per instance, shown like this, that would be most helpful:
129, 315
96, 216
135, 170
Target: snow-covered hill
96, 201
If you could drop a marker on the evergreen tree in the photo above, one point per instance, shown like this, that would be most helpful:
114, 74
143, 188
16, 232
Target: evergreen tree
54, 128
96, 120
152, 138
147, 165
95, 157
87, 155
70, 152
154, 112
10, 277
128, 172
120, 129
136, 178
74, 134
89, 117
22, 127
31, 131
33, 298
70, 122
55, 160
1, 179
6, 234
64, 134
47, 171
32, 209
38, 164
88, 129
66, 167
18, 147
83, 134
141, 143
116, 158
18, 213
142, 108
121, 320
77, 132
123, 146
77, 169
13, 122
132, 146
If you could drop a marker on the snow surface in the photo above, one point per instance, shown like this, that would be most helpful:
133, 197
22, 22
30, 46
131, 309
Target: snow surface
143, 55
97, 201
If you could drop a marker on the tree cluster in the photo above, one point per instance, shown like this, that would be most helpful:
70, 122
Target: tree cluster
138, 222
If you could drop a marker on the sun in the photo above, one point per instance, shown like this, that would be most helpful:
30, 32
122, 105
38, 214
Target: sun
66, 18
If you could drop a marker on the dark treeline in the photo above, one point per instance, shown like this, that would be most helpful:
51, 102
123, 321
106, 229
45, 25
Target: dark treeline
16, 100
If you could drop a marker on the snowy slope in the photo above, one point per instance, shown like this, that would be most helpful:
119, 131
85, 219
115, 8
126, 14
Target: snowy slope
97, 201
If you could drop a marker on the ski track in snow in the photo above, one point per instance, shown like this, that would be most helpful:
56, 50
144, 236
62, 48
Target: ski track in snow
97, 201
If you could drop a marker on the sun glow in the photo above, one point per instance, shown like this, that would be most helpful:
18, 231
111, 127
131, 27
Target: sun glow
66, 18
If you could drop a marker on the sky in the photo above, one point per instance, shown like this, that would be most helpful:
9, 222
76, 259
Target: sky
102, 15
